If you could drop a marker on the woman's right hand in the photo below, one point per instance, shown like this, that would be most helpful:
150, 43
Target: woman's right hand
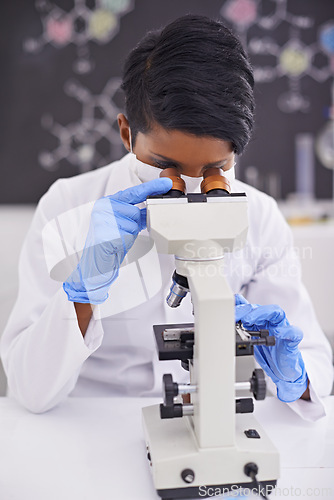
114, 226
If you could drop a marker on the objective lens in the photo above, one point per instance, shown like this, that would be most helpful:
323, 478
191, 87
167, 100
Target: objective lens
176, 294
178, 290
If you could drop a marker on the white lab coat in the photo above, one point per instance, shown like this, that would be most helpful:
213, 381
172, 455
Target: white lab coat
44, 353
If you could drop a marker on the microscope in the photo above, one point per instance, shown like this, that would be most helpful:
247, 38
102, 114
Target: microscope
203, 440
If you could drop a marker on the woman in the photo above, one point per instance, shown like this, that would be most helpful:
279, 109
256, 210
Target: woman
82, 325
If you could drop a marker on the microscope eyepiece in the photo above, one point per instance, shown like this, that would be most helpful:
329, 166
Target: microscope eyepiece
179, 186
178, 290
214, 183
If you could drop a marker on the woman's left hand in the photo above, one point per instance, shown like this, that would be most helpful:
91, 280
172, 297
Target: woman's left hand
283, 362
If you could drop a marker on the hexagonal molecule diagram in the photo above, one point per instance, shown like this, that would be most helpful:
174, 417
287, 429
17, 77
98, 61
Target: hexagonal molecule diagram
78, 142
294, 59
80, 26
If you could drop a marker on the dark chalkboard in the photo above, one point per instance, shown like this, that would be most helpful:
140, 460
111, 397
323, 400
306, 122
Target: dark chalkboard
61, 63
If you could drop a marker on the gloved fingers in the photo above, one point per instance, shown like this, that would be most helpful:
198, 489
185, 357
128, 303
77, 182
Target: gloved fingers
126, 214
292, 335
138, 194
264, 316
273, 364
106, 208
239, 299
281, 367
289, 392
242, 311
143, 213
262, 359
108, 220
102, 207
127, 225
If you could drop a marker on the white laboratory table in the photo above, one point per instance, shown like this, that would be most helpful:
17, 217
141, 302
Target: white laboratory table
93, 449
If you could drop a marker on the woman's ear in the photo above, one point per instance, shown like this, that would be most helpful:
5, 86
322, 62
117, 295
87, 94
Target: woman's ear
124, 130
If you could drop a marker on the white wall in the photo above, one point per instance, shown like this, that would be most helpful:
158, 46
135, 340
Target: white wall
315, 244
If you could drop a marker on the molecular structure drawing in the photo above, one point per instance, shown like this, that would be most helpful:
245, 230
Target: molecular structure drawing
294, 59
79, 26
78, 142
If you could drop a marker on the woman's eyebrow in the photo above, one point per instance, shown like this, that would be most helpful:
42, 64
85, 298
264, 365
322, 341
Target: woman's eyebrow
169, 160
208, 165
216, 163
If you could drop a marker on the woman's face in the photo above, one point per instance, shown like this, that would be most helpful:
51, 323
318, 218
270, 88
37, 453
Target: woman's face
189, 154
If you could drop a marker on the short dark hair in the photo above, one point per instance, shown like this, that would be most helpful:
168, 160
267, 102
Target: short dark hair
194, 76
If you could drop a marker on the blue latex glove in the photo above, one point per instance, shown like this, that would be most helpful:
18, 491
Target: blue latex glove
114, 226
283, 362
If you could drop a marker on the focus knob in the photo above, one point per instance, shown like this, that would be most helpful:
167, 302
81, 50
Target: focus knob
258, 384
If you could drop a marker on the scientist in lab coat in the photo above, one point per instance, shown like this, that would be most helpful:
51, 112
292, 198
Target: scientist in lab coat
91, 283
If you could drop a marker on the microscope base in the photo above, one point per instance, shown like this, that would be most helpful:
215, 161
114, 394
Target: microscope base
172, 449
215, 490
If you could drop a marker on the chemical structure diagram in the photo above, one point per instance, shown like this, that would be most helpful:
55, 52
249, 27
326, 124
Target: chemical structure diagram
91, 140
78, 142
294, 59
79, 26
